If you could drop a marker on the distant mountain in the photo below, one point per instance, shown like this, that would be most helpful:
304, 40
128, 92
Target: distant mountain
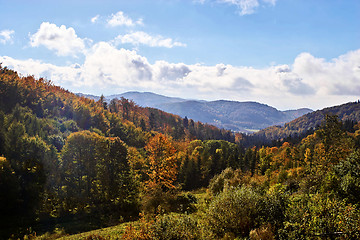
146, 99
96, 98
346, 112
237, 116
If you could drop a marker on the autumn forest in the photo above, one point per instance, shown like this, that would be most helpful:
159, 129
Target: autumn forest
69, 164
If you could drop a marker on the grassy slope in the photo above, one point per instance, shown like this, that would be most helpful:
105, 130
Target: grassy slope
115, 232
109, 233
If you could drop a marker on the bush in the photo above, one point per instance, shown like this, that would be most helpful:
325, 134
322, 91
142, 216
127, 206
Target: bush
227, 178
239, 210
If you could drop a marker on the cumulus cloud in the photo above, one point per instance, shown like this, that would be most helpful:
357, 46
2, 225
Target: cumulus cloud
340, 76
6, 36
142, 38
62, 40
120, 19
308, 82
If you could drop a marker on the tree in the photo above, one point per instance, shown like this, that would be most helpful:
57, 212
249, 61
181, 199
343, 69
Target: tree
336, 145
347, 178
79, 156
186, 122
113, 105
96, 175
102, 102
162, 164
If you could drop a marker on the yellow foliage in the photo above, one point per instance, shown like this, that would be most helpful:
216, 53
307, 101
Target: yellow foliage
162, 163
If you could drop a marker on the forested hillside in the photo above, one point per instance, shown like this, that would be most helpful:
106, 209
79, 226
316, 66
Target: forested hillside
69, 164
348, 113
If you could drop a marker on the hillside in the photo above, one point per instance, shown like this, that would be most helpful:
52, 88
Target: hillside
348, 112
233, 115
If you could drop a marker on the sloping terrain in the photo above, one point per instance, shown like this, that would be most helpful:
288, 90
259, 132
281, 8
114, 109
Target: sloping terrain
346, 112
236, 116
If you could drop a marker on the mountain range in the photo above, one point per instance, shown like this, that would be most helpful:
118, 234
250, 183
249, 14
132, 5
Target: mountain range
237, 116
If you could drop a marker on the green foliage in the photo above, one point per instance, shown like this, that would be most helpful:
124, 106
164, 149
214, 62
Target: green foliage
346, 182
318, 215
226, 179
207, 159
239, 210
97, 175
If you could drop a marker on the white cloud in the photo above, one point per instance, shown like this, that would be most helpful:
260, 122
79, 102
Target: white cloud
95, 19
6, 36
62, 40
137, 38
247, 7
120, 19
308, 82
106, 66
341, 76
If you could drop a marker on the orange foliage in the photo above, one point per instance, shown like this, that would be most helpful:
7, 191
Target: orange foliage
162, 164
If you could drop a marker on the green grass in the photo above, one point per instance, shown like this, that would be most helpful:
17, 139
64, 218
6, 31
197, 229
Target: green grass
109, 233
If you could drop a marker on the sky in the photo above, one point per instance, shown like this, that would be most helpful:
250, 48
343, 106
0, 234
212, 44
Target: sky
285, 53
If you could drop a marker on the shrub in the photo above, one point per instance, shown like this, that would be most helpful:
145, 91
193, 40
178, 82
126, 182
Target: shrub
239, 210
308, 216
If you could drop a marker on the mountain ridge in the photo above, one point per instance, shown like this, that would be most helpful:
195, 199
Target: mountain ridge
248, 116
346, 112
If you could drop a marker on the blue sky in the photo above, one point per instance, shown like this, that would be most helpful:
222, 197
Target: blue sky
285, 53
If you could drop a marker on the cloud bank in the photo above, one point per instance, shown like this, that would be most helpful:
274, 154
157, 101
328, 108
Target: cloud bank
308, 82
106, 68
